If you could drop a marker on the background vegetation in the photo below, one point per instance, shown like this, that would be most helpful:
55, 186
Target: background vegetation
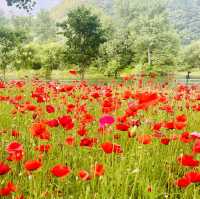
145, 36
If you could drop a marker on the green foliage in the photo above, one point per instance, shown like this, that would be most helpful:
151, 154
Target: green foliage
24, 57
84, 34
25, 4
112, 68
25, 24
44, 27
117, 52
52, 57
9, 40
185, 15
36, 56
191, 55
156, 42
138, 33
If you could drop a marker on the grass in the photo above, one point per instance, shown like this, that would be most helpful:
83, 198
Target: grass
141, 171
92, 73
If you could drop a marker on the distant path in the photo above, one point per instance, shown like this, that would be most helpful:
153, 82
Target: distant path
194, 79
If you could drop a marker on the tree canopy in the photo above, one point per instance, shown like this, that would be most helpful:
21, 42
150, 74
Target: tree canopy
84, 34
110, 35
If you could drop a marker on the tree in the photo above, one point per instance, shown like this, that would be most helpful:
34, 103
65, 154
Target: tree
185, 15
52, 58
24, 4
117, 53
156, 43
155, 37
9, 40
191, 55
24, 57
84, 35
44, 27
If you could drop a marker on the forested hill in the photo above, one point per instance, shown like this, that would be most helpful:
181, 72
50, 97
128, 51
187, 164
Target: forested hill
184, 14
60, 10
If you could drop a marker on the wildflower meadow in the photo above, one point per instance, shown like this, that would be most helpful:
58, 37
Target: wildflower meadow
131, 139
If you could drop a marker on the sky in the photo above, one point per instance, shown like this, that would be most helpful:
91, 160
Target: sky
41, 4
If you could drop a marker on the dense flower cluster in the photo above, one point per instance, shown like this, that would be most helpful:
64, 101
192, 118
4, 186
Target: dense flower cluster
53, 122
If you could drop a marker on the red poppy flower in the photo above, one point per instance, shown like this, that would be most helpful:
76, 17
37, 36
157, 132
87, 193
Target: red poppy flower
183, 182
8, 189
109, 147
60, 170
15, 150
122, 127
87, 118
70, 140
122, 119
16, 156
146, 97
157, 126
32, 165
95, 95
14, 147
169, 125
53, 123
99, 170
40, 130
181, 118
4, 168
89, 142
179, 125
30, 107
82, 131
167, 108
117, 148
185, 137
15, 133
66, 122
2, 84
130, 112
144, 139
70, 108
84, 175
135, 123
196, 147
165, 141
193, 176
50, 109
188, 160
127, 94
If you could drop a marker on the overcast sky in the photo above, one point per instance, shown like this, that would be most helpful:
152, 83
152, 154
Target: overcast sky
41, 4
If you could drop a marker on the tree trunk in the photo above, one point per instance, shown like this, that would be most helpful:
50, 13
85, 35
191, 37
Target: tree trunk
4, 74
48, 74
149, 56
82, 73
116, 74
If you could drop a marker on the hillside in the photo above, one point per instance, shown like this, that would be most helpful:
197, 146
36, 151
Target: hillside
61, 10
184, 14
